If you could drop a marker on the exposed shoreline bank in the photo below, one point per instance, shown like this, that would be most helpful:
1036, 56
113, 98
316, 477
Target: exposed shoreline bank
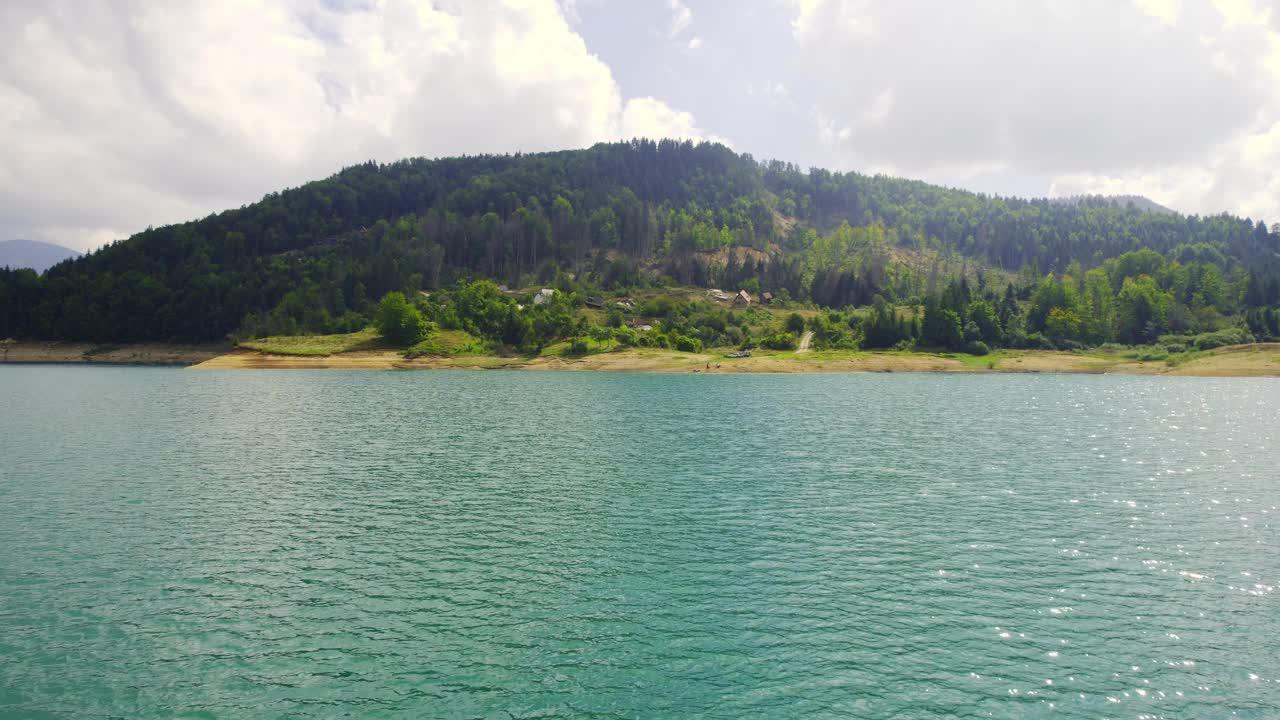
1240, 361
35, 352
1259, 360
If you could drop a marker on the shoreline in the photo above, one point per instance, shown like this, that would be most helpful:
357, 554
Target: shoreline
1240, 361
84, 353
1258, 360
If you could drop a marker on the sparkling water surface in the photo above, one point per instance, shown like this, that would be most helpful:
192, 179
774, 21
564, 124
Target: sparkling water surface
316, 544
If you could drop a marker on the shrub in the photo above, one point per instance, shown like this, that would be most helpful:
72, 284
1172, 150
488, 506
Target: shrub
977, 347
625, 336
578, 347
1036, 341
1175, 348
687, 344
733, 335
398, 321
1230, 336
779, 341
658, 307
1152, 354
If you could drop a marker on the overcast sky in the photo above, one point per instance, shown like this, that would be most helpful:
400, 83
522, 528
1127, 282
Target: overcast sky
120, 114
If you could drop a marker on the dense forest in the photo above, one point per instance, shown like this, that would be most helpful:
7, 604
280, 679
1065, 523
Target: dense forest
927, 265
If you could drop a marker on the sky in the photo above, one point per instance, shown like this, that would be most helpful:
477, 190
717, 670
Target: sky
116, 115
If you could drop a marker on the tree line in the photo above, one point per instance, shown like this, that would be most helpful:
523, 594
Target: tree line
651, 213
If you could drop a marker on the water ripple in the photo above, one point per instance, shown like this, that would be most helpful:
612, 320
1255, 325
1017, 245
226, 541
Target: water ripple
314, 544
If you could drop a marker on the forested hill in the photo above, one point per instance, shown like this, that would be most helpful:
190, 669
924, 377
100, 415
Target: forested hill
317, 258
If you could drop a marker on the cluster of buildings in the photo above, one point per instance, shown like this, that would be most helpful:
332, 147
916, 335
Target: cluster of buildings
741, 299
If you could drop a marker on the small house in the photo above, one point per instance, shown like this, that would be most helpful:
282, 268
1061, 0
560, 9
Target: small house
544, 296
742, 299
716, 294
766, 298
595, 302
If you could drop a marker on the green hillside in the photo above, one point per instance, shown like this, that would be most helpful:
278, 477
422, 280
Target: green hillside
937, 266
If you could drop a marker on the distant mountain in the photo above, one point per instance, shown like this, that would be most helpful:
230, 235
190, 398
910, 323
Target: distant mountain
38, 256
1120, 202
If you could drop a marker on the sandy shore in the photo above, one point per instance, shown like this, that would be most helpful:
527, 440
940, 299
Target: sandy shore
123, 354
1261, 360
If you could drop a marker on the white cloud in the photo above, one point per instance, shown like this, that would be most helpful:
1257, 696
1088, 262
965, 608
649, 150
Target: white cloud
1166, 11
1241, 12
647, 117
569, 8
881, 107
1240, 176
1158, 97
695, 42
830, 131
681, 18
776, 94
814, 18
121, 114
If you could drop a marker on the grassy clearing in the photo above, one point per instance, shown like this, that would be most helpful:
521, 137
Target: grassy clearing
1182, 358
315, 345
448, 343
593, 347
977, 362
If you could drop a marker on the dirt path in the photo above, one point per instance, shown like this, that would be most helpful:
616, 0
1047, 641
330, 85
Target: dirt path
805, 340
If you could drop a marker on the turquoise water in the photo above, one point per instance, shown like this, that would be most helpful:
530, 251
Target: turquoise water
266, 544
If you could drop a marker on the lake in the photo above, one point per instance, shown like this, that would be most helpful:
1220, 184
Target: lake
226, 544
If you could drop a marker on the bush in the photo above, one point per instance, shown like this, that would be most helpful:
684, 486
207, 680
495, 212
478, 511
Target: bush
1230, 336
659, 307
398, 321
733, 335
687, 344
1175, 348
625, 336
1152, 354
578, 347
795, 323
1036, 341
779, 341
977, 347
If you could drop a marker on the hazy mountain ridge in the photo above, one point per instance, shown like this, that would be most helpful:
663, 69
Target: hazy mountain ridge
33, 254
1121, 202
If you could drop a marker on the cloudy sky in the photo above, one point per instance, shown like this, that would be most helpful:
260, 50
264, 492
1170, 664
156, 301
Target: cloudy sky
119, 114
